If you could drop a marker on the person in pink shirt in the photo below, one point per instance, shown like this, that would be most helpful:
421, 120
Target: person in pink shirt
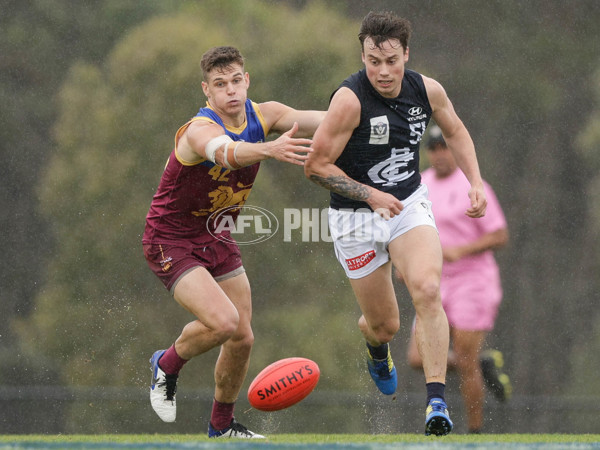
470, 285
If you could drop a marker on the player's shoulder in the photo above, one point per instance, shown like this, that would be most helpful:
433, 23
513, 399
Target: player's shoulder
433, 86
272, 111
270, 106
191, 139
200, 126
344, 109
345, 98
435, 93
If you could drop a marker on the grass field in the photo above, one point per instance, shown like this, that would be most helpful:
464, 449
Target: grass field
305, 441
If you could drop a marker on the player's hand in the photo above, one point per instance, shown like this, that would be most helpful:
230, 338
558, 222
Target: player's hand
478, 202
384, 204
288, 149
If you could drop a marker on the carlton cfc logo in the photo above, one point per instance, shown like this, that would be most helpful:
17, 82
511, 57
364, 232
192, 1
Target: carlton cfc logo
393, 170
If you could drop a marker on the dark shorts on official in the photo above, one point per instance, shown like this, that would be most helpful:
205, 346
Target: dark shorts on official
173, 260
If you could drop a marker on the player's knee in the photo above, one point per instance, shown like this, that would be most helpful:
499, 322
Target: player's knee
387, 330
240, 345
429, 289
426, 294
225, 327
384, 330
467, 359
246, 341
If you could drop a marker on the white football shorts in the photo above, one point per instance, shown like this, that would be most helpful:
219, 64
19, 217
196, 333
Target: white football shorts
361, 238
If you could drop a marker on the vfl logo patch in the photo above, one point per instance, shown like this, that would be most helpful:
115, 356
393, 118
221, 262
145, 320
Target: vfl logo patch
360, 261
380, 130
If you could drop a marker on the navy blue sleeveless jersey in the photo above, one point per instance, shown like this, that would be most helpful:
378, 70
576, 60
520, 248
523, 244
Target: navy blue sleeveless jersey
383, 151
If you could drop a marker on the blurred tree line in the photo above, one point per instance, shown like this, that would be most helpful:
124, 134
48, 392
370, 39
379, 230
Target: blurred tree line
93, 92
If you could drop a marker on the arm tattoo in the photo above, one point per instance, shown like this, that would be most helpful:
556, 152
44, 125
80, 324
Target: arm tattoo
344, 186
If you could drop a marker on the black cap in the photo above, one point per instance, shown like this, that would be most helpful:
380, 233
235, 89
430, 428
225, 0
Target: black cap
435, 137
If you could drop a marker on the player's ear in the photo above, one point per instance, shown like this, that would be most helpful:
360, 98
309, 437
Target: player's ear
406, 55
247, 79
205, 88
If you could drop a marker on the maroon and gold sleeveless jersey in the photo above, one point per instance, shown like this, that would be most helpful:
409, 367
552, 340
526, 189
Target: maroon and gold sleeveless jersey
189, 193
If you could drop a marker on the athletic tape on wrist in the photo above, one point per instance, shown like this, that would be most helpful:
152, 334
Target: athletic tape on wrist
226, 157
213, 145
229, 159
235, 153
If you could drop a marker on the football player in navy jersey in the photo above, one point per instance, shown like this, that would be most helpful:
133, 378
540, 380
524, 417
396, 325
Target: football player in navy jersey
366, 152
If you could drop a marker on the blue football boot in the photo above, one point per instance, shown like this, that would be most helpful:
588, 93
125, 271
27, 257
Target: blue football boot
437, 419
383, 373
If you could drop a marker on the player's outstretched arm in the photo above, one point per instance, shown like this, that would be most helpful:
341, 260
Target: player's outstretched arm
206, 140
286, 148
281, 118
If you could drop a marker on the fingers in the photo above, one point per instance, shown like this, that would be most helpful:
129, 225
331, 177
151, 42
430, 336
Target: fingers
294, 158
478, 204
477, 211
300, 142
392, 211
384, 213
293, 150
295, 155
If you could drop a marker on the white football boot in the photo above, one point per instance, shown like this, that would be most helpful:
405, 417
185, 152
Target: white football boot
162, 390
234, 430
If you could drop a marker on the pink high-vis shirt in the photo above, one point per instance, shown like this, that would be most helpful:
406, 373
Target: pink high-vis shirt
470, 287
450, 200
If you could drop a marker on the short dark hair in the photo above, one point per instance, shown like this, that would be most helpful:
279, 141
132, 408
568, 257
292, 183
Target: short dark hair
383, 26
220, 58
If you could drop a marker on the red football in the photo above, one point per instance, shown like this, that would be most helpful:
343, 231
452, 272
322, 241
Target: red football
283, 384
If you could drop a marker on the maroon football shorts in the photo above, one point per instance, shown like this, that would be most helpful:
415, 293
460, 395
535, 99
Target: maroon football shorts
171, 261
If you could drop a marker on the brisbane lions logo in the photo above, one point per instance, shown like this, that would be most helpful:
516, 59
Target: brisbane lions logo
224, 197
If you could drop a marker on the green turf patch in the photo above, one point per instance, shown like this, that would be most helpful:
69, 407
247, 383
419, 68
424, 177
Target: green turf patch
305, 442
